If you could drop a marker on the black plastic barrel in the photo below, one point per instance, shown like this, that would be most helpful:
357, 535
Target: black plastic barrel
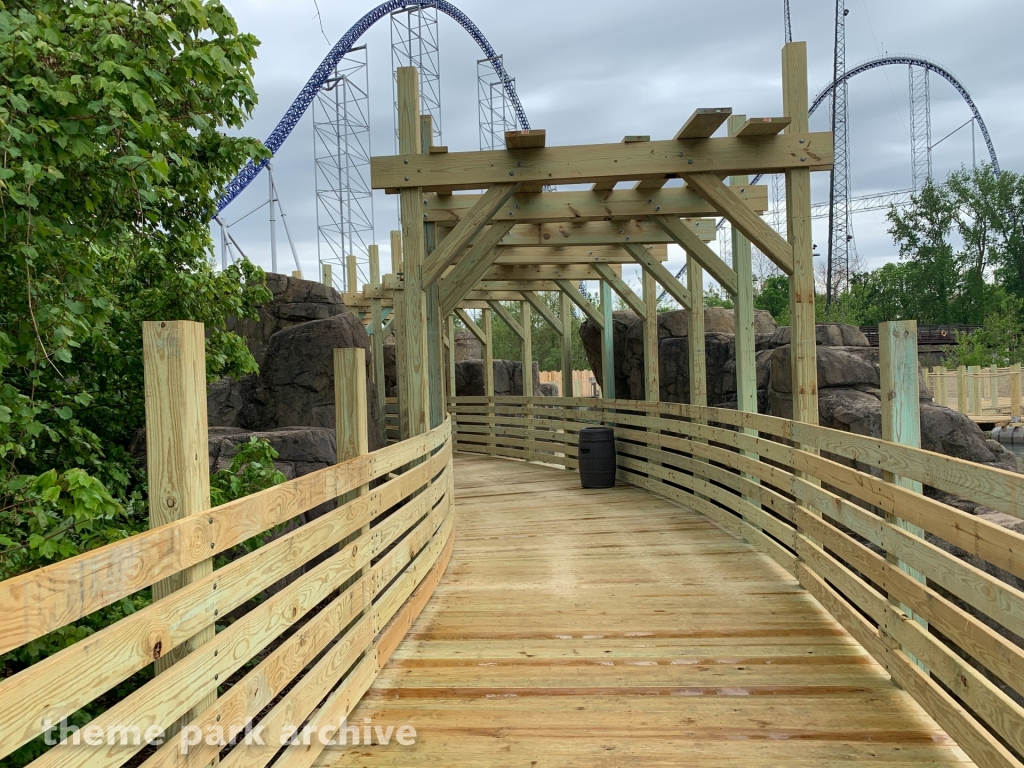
597, 457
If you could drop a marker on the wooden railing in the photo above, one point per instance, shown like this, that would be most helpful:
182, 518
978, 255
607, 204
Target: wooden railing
304, 621
843, 513
391, 420
979, 392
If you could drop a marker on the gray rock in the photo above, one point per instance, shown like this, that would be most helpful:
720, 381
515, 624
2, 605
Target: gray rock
508, 378
294, 301
301, 450
296, 386
467, 346
234, 403
827, 335
550, 389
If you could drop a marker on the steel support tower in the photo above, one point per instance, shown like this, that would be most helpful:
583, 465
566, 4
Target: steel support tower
837, 277
494, 108
415, 43
341, 150
920, 127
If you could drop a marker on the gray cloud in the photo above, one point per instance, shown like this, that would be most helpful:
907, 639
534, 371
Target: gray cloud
593, 72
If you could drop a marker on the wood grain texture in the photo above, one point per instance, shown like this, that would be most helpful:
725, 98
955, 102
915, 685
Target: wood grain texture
611, 628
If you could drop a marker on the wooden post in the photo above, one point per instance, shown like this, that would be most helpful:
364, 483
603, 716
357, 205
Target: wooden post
798, 229
488, 354
527, 324
325, 275
397, 327
695, 338
975, 389
901, 415
1015, 390
652, 372
396, 251
377, 337
414, 389
607, 344
993, 386
350, 430
177, 454
939, 385
565, 315
961, 389
435, 355
352, 285
450, 331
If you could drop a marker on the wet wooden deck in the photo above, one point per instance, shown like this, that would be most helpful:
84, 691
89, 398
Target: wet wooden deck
612, 628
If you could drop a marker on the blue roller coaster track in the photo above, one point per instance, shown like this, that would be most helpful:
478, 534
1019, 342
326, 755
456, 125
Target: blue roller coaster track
326, 69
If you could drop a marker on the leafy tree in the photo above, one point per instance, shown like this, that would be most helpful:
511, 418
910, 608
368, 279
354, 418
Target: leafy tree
999, 341
774, 297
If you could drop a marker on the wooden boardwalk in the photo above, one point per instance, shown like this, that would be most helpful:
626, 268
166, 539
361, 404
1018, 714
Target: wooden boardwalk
612, 628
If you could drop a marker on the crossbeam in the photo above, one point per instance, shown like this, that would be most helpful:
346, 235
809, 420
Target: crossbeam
474, 265
753, 227
666, 279
580, 301
586, 205
470, 325
618, 285
543, 310
466, 230
694, 246
572, 254
511, 322
603, 162
591, 233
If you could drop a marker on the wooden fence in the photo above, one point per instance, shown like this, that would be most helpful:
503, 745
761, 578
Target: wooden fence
844, 514
584, 383
979, 392
304, 622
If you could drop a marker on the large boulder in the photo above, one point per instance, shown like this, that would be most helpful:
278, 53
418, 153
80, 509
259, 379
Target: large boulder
301, 450
508, 378
467, 346
295, 301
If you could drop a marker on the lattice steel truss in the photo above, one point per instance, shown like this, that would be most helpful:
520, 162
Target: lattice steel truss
920, 127
415, 43
341, 148
838, 268
494, 107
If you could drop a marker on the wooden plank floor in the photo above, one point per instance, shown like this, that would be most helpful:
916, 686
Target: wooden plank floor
612, 628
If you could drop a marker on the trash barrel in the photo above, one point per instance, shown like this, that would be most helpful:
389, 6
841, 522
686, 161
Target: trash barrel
597, 457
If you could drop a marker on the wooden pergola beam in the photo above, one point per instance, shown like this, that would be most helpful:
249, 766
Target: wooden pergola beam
585, 205
467, 229
471, 325
580, 301
703, 123
589, 233
510, 321
655, 269
471, 267
694, 246
571, 255
618, 285
754, 228
543, 310
603, 162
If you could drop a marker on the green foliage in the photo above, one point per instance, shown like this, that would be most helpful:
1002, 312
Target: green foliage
774, 297
716, 297
112, 152
547, 345
999, 341
251, 470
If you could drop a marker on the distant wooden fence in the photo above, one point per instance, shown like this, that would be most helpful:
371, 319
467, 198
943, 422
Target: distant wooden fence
344, 587
977, 391
844, 514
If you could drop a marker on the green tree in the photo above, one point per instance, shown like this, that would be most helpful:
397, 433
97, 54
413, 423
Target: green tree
773, 296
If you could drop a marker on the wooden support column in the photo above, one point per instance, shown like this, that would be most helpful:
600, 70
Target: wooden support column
607, 343
525, 322
698, 365
798, 228
325, 275
565, 314
901, 415
350, 409
377, 338
450, 330
974, 375
414, 389
961, 389
994, 387
652, 377
1015, 390
177, 454
352, 285
485, 316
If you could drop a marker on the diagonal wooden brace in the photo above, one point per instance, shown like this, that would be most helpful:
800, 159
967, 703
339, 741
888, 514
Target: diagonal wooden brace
694, 246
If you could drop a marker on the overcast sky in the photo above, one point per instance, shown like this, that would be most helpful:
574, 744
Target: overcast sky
593, 72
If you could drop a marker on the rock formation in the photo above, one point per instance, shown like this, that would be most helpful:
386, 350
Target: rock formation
508, 378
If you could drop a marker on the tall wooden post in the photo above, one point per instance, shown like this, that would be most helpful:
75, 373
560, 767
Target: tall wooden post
351, 434
488, 354
695, 338
414, 389
352, 274
652, 376
798, 230
746, 365
527, 323
177, 453
449, 325
377, 337
565, 315
994, 386
607, 344
901, 413
398, 328
325, 275
961, 389
974, 375
1015, 390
